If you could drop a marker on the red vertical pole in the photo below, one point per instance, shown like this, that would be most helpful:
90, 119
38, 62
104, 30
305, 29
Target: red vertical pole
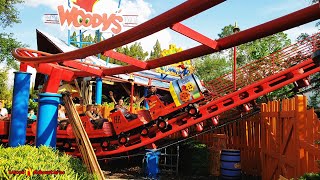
131, 97
234, 68
23, 67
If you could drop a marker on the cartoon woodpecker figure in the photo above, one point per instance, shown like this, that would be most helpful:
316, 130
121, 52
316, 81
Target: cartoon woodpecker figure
85, 4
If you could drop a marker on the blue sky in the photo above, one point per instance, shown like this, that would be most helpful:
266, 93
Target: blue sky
247, 14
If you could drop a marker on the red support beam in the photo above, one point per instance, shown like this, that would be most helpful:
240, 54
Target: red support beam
163, 21
47, 68
192, 34
289, 21
126, 59
53, 83
86, 68
23, 67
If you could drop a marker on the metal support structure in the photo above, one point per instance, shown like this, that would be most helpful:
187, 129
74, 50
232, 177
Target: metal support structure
169, 160
20, 103
98, 91
145, 93
235, 68
47, 119
236, 29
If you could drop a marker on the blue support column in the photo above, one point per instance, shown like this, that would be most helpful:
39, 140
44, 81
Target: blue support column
19, 114
145, 94
47, 119
98, 91
152, 164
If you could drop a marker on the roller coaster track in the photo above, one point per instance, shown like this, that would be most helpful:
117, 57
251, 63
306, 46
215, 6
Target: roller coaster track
288, 69
287, 66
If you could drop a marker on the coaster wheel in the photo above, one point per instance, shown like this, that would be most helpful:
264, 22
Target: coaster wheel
144, 132
192, 110
123, 139
105, 143
162, 124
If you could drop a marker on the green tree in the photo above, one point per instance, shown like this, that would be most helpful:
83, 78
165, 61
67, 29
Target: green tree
8, 13
211, 66
255, 49
156, 52
135, 50
8, 17
7, 44
6, 92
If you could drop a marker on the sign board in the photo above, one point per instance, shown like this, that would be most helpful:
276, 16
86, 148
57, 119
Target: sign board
80, 14
182, 68
129, 20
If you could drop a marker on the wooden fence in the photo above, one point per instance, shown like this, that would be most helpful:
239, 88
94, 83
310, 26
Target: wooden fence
280, 141
245, 136
288, 134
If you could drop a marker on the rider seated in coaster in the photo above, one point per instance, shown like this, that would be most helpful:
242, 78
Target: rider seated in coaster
62, 119
119, 106
3, 112
94, 118
31, 116
166, 99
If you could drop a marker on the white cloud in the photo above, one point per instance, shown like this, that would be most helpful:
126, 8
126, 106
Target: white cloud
49, 3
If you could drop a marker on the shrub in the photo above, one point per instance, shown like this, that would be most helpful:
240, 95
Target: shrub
310, 176
20, 159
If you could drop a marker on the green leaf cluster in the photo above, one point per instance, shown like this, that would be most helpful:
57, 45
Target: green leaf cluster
42, 158
8, 13
211, 66
310, 176
6, 92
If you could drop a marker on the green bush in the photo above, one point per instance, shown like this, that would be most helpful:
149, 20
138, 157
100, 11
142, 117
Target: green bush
310, 176
42, 159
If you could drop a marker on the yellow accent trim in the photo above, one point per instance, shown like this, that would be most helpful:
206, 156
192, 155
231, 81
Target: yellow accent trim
174, 95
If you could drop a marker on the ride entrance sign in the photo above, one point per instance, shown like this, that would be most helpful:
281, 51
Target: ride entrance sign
80, 19
81, 14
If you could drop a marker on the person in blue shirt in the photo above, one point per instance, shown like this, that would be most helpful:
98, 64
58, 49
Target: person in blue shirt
31, 116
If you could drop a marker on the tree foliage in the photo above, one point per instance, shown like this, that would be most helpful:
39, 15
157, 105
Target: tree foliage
8, 17
211, 66
8, 13
255, 49
156, 52
7, 44
6, 92
135, 50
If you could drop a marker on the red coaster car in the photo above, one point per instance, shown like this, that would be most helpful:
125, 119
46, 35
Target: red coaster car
124, 126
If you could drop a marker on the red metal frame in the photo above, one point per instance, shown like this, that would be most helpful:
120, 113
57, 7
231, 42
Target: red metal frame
184, 30
297, 18
126, 59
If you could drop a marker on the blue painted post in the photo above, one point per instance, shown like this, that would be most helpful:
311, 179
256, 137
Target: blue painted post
20, 103
98, 91
47, 119
152, 164
145, 94
69, 38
